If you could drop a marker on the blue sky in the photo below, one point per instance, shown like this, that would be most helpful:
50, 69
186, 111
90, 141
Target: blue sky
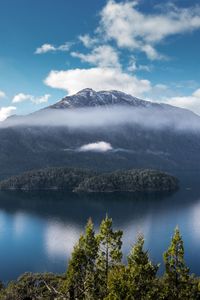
51, 48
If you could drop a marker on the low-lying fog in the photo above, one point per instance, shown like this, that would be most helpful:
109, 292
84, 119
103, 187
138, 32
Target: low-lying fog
149, 117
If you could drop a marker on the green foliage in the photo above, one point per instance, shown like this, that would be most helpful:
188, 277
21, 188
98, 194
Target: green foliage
118, 284
95, 272
178, 282
34, 286
81, 270
142, 273
109, 253
138, 279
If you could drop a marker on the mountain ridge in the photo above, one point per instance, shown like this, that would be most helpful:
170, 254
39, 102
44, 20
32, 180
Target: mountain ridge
89, 98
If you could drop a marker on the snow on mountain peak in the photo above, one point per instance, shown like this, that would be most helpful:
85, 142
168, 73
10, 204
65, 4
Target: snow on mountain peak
90, 98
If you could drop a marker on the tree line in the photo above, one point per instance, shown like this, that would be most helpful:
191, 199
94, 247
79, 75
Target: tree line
96, 271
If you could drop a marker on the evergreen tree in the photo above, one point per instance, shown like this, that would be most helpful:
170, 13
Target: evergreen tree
91, 248
109, 253
177, 281
142, 273
80, 282
137, 280
76, 272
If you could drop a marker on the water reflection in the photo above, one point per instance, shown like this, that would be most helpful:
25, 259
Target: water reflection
38, 230
61, 238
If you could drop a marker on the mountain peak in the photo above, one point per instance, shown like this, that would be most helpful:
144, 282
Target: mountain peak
86, 91
90, 98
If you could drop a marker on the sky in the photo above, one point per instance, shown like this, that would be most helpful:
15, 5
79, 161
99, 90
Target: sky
53, 48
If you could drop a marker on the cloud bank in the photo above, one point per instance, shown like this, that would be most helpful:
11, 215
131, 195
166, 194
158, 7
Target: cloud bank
191, 102
155, 117
96, 147
5, 112
98, 79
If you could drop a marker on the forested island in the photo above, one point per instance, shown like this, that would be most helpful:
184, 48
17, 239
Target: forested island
96, 272
82, 180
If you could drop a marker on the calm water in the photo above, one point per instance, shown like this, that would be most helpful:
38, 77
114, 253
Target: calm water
38, 230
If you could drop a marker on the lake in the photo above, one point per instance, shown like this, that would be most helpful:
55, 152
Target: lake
38, 229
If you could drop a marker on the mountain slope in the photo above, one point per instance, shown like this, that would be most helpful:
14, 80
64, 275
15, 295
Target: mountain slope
142, 134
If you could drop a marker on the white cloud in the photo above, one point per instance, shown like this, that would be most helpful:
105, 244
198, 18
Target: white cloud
102, 56
87, 40
191, 102
96, 147
132, 29
26, 97
5, 112
98, 79
45, 48
2, 94
21, 98
134, 66
51, 48
151, 52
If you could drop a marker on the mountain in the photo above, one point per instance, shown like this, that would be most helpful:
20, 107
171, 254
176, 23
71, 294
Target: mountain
139, 133
90, 98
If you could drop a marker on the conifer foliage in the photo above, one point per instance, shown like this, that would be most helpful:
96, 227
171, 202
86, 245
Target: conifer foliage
137, 280
96, 272
177, 280
109, 253
80, 281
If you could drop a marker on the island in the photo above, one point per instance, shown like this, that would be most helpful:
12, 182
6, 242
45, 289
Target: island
87, 181
143, 180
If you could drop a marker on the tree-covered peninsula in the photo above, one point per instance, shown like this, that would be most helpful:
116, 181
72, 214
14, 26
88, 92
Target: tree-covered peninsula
80, 180
96, 272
